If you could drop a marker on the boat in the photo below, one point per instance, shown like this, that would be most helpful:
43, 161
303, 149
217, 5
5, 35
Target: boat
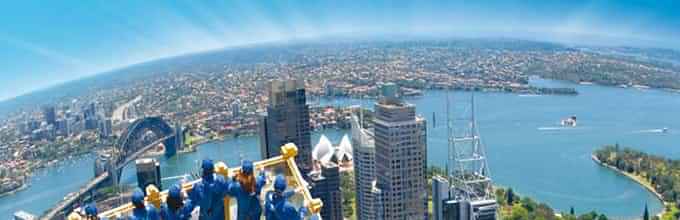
569, 122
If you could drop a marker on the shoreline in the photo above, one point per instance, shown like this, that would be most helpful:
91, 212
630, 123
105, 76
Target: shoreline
636, 179
18, 189
26, 183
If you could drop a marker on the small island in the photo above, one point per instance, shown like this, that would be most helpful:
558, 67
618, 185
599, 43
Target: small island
659, 175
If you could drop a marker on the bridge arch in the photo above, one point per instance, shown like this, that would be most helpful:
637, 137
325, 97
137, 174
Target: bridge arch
136, 130
128, 146
127, 149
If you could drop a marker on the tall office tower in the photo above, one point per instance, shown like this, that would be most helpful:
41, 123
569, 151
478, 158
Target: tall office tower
50, 114
148, 172
105, 128
363, 147
326, 186
440, 195
235, 108
287, 121
90, 116
179, 136
61, 127
400, 157
90, 111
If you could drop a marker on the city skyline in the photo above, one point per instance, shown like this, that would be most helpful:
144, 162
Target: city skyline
243, 104
67, 48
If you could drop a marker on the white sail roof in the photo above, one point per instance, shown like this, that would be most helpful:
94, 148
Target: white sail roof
345, 144
322, 148
324, 151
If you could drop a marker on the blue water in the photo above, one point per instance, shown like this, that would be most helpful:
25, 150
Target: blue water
526, 147
530, 152
230, 151
48, 186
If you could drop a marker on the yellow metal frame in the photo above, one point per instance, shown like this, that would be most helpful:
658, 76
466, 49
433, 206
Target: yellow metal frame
287, 158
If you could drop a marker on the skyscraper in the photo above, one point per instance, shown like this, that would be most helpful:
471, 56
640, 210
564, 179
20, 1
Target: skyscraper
287, 121
105, 128
400, 157
90, 111
50, 114
235, 108
440, 195
363, 147
326, 186
90, 116
148, 172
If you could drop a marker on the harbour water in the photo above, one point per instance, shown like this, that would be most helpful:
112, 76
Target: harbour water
527, 148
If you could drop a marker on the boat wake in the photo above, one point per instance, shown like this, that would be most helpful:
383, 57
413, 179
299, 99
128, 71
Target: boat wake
652, 131
555, 128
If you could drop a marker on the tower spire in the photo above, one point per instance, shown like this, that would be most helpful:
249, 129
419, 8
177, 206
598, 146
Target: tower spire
470, 174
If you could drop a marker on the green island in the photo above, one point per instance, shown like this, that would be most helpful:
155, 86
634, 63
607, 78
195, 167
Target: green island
657, 174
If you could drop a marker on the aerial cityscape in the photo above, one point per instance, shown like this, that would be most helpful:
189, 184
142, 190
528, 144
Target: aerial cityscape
380, 125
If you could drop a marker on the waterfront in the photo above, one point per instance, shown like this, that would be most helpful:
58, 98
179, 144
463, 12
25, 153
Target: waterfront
527, 148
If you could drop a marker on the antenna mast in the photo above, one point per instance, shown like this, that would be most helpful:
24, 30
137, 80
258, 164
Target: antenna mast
470, 178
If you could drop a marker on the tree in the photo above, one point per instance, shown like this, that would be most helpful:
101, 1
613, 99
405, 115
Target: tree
645, 215
543, 211
519, 213
348, 193
588, 216
510, 196
500, 196
528, 204
571, 211
602, 217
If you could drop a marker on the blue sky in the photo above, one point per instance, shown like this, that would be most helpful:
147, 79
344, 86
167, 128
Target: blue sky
44, 43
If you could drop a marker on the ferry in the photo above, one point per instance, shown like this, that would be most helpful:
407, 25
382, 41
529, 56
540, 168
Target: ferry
569, 122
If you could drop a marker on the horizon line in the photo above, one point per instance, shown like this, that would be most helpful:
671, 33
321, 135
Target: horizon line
355, 38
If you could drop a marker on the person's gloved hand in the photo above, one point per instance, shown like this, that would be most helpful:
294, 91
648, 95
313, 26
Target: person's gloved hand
303, 212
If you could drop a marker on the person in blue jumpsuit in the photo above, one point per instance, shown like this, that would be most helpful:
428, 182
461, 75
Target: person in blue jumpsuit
175, 208
246, 188
209, 193
277, 206
142, 211
91, 212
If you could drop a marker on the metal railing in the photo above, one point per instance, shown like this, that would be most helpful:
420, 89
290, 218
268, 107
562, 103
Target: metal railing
286, 161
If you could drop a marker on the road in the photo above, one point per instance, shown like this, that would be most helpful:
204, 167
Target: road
119, 113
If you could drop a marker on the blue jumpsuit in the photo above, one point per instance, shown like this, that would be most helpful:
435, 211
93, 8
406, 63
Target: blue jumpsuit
209, 194
141, 211
182, 213
278, 207
146, 213
249, 207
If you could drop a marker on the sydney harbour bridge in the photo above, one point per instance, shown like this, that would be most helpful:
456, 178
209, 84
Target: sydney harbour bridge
133, 142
